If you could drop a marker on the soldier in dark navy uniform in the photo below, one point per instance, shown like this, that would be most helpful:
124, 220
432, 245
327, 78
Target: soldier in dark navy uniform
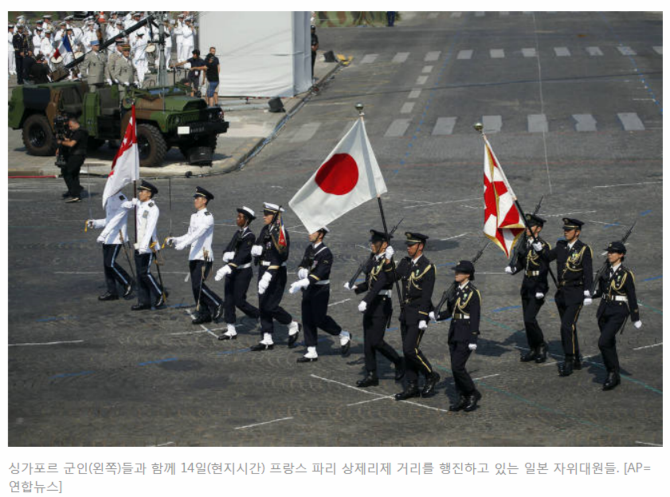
377, 309
272, 249
238, 272
574, 268
617, 291
533, 288
417, 275
465, 312
314, 274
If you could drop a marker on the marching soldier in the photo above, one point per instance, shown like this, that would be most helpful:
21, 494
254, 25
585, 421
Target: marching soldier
94, 66
418, 280
238, 273
376, 308
199, 237
574, 266
124, 72
149, 292
533, 288
114, 234
314, 274
272, 251
464, 311
617, 290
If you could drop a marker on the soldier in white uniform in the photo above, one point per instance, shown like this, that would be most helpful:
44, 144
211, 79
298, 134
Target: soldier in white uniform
37, 41
149, 292
12, 58
47, 48
140, 57
168, 42
179, 39
114, 232
188, 34
199, 238
113, 29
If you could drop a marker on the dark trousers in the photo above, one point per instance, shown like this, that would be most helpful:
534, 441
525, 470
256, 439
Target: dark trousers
390, 18
415, 361
610, 323
148, 289
569, 314
313, 61
268, 303
459, 353
19, 68
375, 320
235, 289
531, 308
206, 298
315, 313
113, 271
70, 173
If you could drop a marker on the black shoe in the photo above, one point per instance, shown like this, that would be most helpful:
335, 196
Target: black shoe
127, 290
471, 401
578, 363
161, 299
613, 379
140, 307
531, 355
259, 347
108, 296
73, 200
542, 353
294, 338
219, 312
399, 369
203, 318
228, 337
412, 390
458, 405
565, 368
307, 359
370, 380
344, 349
429, 387
66, 195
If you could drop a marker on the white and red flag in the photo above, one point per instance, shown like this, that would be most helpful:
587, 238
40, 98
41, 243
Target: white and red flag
348, 177
502, 220
126, 164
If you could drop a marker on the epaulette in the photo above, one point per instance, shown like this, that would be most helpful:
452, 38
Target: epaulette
121, 197
207, 213
151, 204
561, 242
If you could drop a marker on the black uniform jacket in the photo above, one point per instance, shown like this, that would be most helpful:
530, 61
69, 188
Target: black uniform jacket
574, 269
465, 313
417, 282
241, 244
535, 268
377, 278
318, 261
618, 294
271, 250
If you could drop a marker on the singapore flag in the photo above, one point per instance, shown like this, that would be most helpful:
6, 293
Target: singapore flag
126, 164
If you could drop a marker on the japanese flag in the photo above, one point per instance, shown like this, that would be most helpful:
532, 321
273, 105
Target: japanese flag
126, 165
348, 177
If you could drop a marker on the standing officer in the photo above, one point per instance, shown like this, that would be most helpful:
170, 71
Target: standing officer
315, 47
94, 66
20, 43
199, 237
617, 290
533, 288
238, 273
114, 234
37, 41
464, 311
574, 266
111, 60
418, 279
146, 216
314, 274
124, 72
376, 308
272, 251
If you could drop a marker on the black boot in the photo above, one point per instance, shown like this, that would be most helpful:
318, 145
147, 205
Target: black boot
542, 350
202, 318
370, 380
127, 290
429, 387
259, 347
459, 404
577, 364
471, 401
565, 368
613, 379
411, 390
399, 369
108, 296
140, 307
294, 338
218, 312
531, 355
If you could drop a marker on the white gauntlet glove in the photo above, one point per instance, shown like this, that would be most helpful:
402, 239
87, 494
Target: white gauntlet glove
537, 246
303, 273
228, 256
423, 325
388, 254
587, 298
221, 273
509, 270
256, 250
539, 295
347, 287
303, 283
264, 283
101, 239
362, 306
472, 346
431, 315
638, 324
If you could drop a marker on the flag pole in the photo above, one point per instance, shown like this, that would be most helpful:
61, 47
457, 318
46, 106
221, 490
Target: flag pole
480, 128
359, 108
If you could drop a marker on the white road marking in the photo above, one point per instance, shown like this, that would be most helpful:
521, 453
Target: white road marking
484, 377
414, 93
340, 302
562, 51
432, 56
369, 58
629, 184
537, 123
443, 202
265, 423
43, 343
594, 51
648, 346
658, 50
492, 124
452, 237
444, 126
305, 132
465, 54
370, 400
397, 128
400, 57
427, 69
456, 14
407, 108
626, 51
584, 122
529, 52
647, 443
421, 80
630, 121
497, 53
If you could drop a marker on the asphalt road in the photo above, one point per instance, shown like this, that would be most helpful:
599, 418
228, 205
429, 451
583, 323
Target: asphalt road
583, 129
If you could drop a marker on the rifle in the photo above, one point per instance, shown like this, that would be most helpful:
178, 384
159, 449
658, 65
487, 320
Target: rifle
205, 254
361, 268
130, 264
268, 236
450, 293
522, 243
605, 267
158, 270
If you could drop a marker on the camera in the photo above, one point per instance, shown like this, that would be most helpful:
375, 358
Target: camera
63, 132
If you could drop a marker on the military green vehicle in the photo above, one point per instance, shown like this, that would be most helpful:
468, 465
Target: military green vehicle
167, 116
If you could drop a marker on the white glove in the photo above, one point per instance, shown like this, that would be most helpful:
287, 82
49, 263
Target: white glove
169, 241
347, 287
431, 315
303, 283
228, 256
109, 82
388, 254
423, 325
126, 84
144, 250
588, 301
256, 250
509, 270
221, 273
362, 306
539, 295
179, 246
638, 324
472, 346
264, 283
537, 246
129, 204
101, 239
90, 223
303, 273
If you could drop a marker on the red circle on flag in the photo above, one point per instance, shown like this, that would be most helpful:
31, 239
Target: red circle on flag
339, 175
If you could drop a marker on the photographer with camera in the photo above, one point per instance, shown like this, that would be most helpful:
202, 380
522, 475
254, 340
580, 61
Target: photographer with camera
73, 140
197, 65
212, 74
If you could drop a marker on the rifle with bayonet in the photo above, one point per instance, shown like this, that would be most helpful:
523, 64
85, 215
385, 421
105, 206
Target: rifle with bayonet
361, 268
522, 243
449, 294
268, 236
606, 265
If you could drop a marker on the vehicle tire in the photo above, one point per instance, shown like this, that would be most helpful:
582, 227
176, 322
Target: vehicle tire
94, 144
38, 137
151, 144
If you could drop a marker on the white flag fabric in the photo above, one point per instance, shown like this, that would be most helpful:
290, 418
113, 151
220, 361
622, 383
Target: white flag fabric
126, 164
348, 177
